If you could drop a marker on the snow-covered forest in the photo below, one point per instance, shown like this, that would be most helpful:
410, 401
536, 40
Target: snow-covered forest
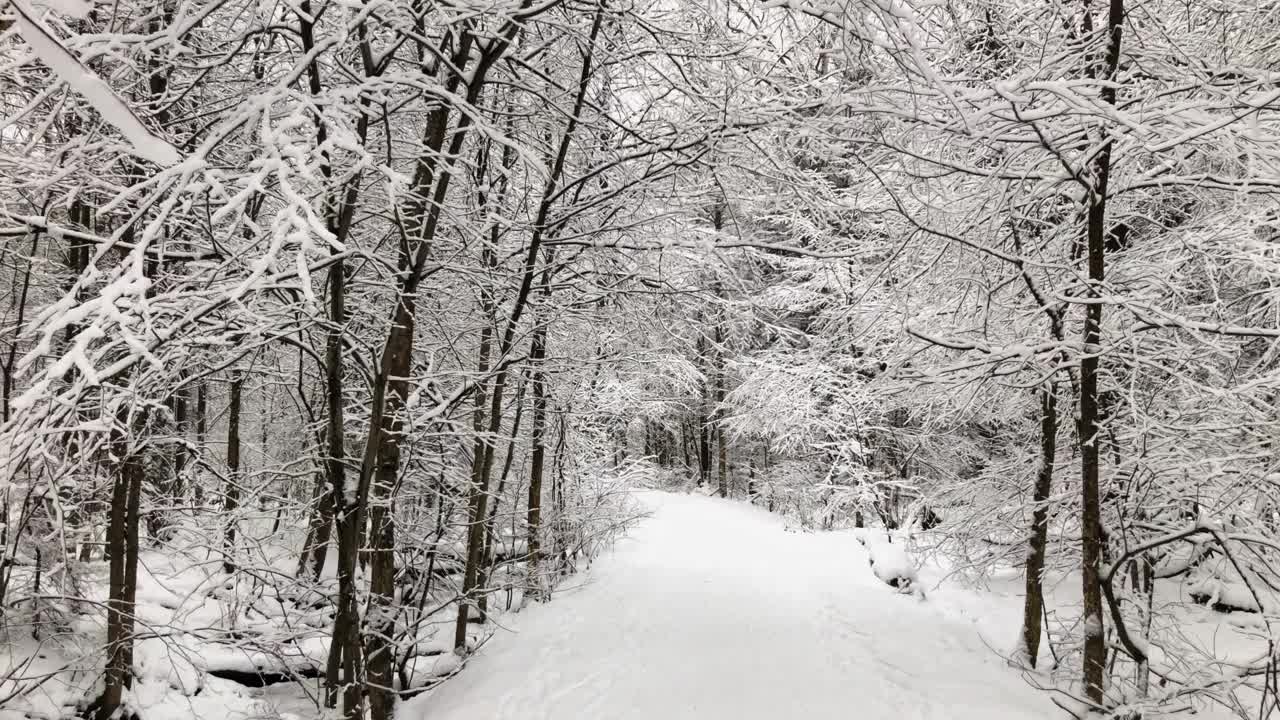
369, 358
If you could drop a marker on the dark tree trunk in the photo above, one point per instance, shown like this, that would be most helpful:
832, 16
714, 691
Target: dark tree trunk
202, 434
478, 499
231, 494
1095, 651
11, 355
1092, 535
379, 632
717, 355
684, 445
479, 489
342, 507
380, 620
182, 454
335, 430
537, 462
722, 464
421, 217
486, 562
319, 530
704, 450
1033, 607
722, 440
122, 535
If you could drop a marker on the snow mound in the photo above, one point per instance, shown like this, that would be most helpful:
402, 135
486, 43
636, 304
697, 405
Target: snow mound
1223, 596
891, 565
890, 562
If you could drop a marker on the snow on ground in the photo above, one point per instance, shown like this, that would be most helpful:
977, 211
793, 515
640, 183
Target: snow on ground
711, 609
890, 562
187, 609
194, 620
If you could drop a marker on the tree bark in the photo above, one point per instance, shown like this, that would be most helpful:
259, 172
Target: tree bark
335, 426
722, 440
202, 434
122, 535
380, 619
1033, 605
479, 475
1092, 536
231, 494
704, 449
486, 563
315, 549
11, 356
538, 439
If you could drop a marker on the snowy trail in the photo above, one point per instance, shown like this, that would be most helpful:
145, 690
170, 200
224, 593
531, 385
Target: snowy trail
710, 609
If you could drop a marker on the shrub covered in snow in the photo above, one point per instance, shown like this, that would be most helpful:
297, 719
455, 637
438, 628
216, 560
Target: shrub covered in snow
891, 564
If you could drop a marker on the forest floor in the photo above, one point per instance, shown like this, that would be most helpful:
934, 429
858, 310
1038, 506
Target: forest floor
715, 610
710, 609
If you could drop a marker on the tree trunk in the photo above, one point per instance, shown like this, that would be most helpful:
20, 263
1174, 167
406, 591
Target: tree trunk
335, 424
378, 472
1092, 537
717, 357
379, 631
704, 450
343, 505
1143, 669
1095, 650
182, 453
486, 564
380, 619
479, 489
122, 535
319, 530
477, 503
202, 434
722, 440
538, 439
685, 455
11, 355
1034, 603
231, 495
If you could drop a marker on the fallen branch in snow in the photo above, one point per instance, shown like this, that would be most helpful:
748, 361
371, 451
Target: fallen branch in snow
262, 678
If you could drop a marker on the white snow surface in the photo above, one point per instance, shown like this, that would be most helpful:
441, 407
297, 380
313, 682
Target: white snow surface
712, 609
889, 561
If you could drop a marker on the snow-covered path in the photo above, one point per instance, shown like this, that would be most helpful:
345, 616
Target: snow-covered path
710, 609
